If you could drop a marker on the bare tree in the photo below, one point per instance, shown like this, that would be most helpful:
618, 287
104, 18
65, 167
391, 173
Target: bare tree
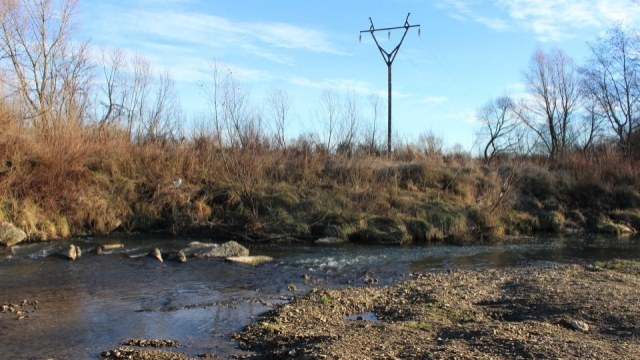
499, 127
430, 143
329, 114
132, 97
162, 119
371, 136
240, 122
278, 106
554, 99
350, 123
611, 77
236, 120
112, 92
138, 89
49, 72
590, 127
239, 133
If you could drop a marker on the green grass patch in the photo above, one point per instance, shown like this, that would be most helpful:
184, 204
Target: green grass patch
621, 265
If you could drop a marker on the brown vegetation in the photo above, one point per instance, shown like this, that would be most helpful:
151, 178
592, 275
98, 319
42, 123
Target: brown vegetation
89, 180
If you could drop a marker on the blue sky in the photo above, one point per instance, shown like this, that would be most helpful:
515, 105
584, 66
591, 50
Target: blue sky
468, 53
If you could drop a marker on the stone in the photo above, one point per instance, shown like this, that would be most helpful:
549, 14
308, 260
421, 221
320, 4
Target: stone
108, 247
10, 235
250, 260
74, 252
330, 240
182, 257
205, 250
157, 254
196, 247
579, 325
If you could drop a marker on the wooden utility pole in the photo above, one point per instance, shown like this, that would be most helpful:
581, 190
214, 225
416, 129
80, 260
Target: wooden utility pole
388, 59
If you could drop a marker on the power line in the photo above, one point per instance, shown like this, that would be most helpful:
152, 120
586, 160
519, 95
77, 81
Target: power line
388, 58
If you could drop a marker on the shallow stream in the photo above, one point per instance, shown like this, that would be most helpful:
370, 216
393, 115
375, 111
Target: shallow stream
98, 301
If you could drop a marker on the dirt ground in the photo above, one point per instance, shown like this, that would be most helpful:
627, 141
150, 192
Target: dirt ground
551, 312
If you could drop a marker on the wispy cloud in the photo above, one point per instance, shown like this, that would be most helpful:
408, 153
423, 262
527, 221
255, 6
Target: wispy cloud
176, 37
357, 86
176, 25
467, 116
289, 36
552, 20
345, 85
433, 100
464, 10
549, 21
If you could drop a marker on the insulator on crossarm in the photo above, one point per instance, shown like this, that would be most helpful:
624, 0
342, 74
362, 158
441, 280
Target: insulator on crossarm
360, 38
418, 32
389, 35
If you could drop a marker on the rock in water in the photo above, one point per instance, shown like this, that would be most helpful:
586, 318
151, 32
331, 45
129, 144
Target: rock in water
196, 249
330, 241
74, 252
232, 248
10, 235
182, 257
250, 260
156, 253
203, 250
108, 247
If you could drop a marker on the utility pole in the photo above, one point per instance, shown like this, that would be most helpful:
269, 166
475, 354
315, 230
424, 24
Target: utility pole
388, 59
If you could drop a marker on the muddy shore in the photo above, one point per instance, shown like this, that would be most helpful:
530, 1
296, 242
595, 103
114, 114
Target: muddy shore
551, 311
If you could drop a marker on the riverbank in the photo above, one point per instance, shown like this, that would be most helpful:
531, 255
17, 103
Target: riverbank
303, 193
553, 311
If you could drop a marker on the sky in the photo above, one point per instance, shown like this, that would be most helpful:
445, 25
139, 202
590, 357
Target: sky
467, 52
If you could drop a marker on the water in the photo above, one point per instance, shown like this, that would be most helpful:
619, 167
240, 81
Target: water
95, 303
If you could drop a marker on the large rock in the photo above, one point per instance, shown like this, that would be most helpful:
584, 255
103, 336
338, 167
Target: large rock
10, 235
74, 252
156, 254
208, 250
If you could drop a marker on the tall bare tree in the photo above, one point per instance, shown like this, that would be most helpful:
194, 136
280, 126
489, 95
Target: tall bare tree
499, 127
611, 77
112, 93
371, 132
350, 123
278, 106
131, 96
590, 129
161, 120
329, 114
236, 120
48, 72
554, 99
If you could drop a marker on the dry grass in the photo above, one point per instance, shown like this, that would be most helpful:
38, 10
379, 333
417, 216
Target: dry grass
80, 179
